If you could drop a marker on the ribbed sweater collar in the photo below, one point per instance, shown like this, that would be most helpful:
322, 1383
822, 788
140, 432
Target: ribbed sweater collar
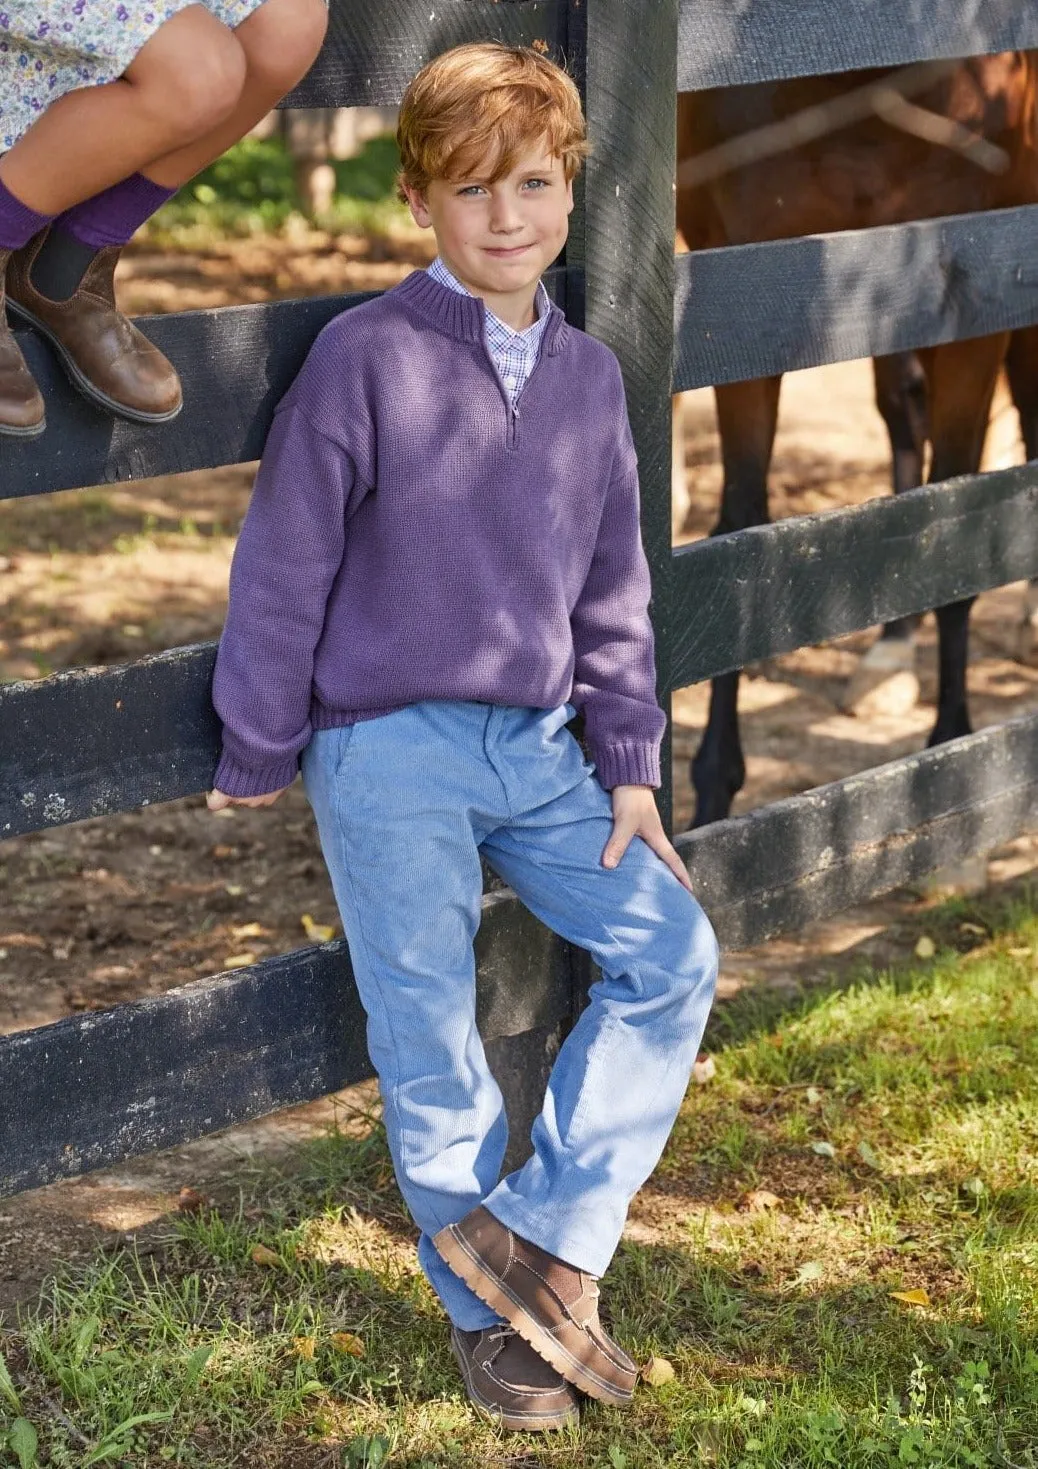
462, 317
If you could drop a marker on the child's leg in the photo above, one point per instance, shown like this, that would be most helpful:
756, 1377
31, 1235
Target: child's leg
621, 1074
401, 802
183, 84
533, 1248
280, 41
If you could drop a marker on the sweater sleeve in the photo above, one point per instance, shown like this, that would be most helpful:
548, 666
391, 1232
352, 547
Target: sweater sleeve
289, 550
614, 679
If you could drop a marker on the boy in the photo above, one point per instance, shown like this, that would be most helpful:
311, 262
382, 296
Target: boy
442, 548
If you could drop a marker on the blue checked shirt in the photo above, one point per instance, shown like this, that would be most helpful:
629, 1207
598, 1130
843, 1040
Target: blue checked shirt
514, 353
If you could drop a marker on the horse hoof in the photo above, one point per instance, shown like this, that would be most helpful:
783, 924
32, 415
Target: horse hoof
884, 683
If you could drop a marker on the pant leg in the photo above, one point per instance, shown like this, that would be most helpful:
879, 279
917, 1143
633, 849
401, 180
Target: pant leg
398, 802
621, 1074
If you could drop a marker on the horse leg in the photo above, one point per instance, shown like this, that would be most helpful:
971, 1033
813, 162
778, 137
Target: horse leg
962, 379
885, 682
747, 414
1022, 372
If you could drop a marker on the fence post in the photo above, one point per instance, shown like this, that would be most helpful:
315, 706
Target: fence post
623, 55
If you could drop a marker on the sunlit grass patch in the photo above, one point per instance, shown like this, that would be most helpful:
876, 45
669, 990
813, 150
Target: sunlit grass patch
838, 1256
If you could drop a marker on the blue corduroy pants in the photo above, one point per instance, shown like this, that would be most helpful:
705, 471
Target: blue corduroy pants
404, 804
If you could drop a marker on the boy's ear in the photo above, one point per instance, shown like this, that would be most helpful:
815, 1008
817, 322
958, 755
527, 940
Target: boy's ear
419, 209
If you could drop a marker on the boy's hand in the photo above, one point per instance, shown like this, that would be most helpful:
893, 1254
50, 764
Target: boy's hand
635, 814
217, 800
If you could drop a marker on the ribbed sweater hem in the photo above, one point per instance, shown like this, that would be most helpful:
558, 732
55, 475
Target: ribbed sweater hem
236, 779
627, 765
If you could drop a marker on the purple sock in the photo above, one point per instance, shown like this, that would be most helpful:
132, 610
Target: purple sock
115, 215
18, 223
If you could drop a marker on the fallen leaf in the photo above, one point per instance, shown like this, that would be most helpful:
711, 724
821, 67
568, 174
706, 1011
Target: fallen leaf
867, 1154
190, 1201
239, 961
925, 948
810, 1270
813, 1095
233, 889
658, 1371
758, 1200
304, 1346
824, 1150
318, 933
705, 1069
248, 931
973, 928
222, 851
261, 1255
345, 1341
1019, 953
918, 1297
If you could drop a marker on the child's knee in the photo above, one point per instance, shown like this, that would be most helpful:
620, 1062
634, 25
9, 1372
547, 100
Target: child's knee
281, 41
193, 80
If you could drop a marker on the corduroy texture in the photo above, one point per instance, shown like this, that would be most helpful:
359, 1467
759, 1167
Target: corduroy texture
18, 223
413, 535
405, 807
115, 215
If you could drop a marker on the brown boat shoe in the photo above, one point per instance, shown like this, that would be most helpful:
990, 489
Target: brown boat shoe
510, 1383
106, 357
22, 411
550, 1304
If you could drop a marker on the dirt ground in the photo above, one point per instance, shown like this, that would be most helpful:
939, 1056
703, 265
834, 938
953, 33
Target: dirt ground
102, 912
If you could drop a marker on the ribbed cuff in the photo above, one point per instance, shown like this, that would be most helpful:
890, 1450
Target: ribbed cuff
235, 779
627, 765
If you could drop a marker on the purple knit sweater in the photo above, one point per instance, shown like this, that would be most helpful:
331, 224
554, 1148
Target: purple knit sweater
413, 536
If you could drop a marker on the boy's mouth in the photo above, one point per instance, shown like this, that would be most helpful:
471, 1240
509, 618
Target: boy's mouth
505, 253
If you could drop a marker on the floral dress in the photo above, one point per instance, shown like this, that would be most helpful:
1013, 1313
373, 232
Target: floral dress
49, 47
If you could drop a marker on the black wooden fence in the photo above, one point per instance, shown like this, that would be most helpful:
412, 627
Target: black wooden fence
100, 1087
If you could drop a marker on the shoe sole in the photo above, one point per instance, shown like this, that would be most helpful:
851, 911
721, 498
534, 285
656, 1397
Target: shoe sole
494, 1293
80, 381
14, 431
503, 1416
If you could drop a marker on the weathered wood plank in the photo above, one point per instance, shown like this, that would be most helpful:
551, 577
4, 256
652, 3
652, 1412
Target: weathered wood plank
812, 855
624, 240
99, 740
749, 311
237, 363
372, 51
94, 741
772, 588
725, 42
236, 1046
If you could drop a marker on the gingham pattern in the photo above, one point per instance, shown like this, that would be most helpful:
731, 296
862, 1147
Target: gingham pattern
514, 353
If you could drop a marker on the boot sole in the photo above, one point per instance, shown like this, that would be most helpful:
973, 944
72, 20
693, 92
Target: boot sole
78, 378
508, 1418
15, 431
494, 1293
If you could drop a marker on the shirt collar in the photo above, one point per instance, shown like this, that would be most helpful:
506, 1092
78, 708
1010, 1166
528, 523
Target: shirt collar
446, 277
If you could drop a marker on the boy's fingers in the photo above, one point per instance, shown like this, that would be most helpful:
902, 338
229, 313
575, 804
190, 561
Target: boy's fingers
617, 844
216, 800
663, 848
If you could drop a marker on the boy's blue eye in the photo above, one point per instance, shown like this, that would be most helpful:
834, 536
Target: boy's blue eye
467, 188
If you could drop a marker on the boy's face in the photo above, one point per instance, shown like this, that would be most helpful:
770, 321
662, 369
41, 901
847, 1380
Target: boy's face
499, 238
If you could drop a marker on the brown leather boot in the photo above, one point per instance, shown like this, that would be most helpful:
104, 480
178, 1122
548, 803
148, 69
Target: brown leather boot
22, 413
106, 357
552, 1305
510, 1383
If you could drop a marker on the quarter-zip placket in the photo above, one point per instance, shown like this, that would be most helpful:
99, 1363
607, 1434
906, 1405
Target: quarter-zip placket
512, 435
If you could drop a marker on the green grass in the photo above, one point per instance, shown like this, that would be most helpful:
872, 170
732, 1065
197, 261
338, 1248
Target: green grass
250, 190
878, 1135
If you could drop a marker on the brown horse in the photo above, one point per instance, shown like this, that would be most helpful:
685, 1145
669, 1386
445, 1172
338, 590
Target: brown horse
871, 172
